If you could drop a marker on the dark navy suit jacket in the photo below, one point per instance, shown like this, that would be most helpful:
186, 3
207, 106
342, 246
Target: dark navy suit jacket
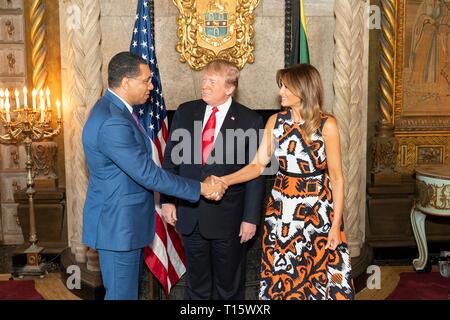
242, 202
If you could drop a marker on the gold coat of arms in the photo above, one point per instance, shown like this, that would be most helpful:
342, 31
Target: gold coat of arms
216, 29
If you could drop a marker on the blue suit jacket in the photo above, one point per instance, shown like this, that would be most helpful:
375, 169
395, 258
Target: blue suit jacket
119, 209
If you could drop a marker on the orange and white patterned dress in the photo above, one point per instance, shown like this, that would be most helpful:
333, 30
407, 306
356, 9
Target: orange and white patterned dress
295, 264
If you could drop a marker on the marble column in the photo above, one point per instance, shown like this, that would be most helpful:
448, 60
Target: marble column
82, 87
350, 109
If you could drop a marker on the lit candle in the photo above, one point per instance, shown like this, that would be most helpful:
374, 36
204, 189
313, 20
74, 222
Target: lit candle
7, 107
25, 97
41, 98
34, 94
42, 107
2, 99
7, 97
58, 107
47, 93
16, 93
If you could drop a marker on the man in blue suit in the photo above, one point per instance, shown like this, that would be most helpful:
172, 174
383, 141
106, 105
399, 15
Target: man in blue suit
119, 210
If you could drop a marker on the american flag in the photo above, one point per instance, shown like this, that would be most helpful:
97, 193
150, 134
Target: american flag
165, 255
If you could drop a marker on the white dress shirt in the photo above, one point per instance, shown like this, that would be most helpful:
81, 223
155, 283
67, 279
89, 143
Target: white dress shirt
220, 115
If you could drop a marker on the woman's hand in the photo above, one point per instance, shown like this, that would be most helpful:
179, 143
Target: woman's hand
334, 238
213, 188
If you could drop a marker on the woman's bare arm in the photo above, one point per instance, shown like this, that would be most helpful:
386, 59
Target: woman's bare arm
259, 163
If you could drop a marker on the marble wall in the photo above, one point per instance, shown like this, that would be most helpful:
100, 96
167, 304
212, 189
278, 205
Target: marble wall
320, 24
258, 89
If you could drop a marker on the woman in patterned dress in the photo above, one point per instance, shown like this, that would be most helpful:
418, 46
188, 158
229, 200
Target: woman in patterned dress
304, 250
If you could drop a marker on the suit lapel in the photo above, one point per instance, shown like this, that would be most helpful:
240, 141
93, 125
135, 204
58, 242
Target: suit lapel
126, 113
199, 113
230, 119
116, 101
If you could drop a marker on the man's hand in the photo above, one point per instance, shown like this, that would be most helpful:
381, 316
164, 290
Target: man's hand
169, 212
247, 231
213, 188
218, 180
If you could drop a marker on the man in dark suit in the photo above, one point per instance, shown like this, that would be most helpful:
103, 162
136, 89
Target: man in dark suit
214, 234
118, 217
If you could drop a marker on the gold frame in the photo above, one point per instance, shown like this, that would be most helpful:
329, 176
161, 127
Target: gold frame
198, 49
413, 123
410, 131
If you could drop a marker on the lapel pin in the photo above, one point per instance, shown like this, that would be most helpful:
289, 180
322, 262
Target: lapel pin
233, 118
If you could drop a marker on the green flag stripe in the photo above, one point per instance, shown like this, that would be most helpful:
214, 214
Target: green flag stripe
303, 51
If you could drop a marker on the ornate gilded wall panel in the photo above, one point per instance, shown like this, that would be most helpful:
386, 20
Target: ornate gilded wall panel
12, 232
422, 150
11, 28
421, 82
216, 29
13, 74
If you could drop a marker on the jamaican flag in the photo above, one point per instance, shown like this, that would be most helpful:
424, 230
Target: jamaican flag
299, 49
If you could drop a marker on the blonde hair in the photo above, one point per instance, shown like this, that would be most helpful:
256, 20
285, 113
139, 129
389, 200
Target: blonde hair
226, 69
304, 81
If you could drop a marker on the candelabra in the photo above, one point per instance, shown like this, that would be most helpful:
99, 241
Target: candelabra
27, 125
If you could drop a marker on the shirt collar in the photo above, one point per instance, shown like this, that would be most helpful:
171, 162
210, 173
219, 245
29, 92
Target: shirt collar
130, 108
225, 106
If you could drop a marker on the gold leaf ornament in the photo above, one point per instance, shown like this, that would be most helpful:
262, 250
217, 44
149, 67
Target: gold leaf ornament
216, 29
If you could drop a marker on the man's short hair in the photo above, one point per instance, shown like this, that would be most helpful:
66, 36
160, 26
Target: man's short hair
227, 69
123, 64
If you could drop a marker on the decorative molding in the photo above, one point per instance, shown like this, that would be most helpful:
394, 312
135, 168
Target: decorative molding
197, 47
44, 159
86, 85
13, 70
348, 79
410, 130
9, 26
14, 159
433, 155
16, 186
388, 36
384, 155
38, 42
409, 148
11, 63
433, 195
385, 146
422, 124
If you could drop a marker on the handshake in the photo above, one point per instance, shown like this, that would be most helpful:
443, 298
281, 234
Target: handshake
213, 188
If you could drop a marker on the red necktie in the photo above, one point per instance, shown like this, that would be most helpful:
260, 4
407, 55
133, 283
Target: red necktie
208, 136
